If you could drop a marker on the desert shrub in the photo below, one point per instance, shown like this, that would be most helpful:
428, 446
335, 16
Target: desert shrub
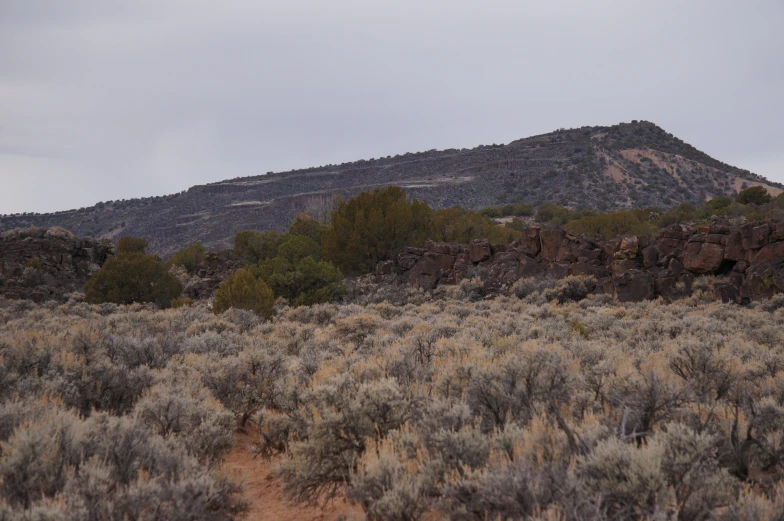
188, 257
130, 244
342, 417
526, 286
386, 487
180, 302
505, 408
572, 288
105, 467
133, 277
506, 489
754, 195
244, 291
627, 480
246, 383
775, 302
472, 289
190, 415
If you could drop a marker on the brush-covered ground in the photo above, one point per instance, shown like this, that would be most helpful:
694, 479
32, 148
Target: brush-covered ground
434, 408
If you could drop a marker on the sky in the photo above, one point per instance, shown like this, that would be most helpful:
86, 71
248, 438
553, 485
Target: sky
114, 99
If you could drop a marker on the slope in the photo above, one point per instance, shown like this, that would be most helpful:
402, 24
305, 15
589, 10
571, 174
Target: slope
633, 164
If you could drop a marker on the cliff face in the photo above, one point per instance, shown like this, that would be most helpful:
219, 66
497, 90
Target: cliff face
47, 263
748, 259
629, 165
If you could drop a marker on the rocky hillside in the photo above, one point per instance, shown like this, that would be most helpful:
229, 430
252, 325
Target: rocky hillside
47, 264
636, 164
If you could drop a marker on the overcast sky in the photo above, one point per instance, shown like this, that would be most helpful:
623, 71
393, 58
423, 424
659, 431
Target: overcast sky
109, 99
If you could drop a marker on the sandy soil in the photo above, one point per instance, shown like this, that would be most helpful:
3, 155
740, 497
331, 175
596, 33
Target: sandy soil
263, 492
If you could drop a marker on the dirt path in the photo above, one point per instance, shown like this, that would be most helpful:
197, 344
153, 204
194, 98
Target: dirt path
263, 492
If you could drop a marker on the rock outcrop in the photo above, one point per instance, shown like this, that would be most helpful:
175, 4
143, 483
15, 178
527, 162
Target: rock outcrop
47, 263
209, 273
748, 260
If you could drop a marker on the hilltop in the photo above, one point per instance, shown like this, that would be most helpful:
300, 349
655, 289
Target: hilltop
628, 165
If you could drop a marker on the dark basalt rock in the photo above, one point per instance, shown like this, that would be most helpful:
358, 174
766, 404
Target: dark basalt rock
748, 259
48, 263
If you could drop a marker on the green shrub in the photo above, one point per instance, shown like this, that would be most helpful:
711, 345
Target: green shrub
457, 224
252, 247
716, 206
296, 247
555, 215
682, 213
34, 263
303, 282
244, 291
130, 244
188, 257
523, 210
133, 277
372, 227
181, 302
754, 195
490, 211
613, 224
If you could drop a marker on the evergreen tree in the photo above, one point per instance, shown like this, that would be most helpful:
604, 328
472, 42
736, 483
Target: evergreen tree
305, 225
374, 226
253, 247
754, 195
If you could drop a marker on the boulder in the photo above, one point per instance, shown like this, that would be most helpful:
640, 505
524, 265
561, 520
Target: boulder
550, 239
629, 248
769, 253
702, 258
733, 246
406, 260
633, 286
531, 241
385, 267
480, 250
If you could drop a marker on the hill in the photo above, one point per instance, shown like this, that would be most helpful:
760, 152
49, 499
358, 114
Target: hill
634, 164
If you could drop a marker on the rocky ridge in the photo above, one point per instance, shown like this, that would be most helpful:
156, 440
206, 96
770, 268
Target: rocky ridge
635, 164
748, 260
48, 263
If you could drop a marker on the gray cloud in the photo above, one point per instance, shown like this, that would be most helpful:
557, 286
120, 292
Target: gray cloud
110, 100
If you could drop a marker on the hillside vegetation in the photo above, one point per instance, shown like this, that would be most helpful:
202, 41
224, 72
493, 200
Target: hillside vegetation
630, 165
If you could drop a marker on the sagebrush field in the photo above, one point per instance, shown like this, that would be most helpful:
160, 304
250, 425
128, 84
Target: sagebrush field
436, 407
